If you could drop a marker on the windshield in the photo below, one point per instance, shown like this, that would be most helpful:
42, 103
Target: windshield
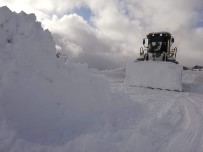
158, 44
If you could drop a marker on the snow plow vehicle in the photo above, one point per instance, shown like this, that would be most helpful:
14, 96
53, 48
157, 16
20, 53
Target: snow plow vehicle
156, 67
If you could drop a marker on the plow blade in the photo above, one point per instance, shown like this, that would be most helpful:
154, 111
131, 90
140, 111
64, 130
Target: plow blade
154, 74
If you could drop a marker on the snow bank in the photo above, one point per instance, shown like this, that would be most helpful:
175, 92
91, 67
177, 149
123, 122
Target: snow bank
192, 81
45, 103
162, 75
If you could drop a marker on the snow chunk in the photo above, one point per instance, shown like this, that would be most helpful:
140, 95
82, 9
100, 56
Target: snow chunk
154, 74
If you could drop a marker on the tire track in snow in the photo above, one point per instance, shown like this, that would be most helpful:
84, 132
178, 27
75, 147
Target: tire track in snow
198, 103
188, 140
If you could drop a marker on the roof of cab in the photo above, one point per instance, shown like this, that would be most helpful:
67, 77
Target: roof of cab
158, 33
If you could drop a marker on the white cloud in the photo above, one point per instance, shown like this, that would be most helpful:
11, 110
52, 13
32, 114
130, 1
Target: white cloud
115, 31
83, 42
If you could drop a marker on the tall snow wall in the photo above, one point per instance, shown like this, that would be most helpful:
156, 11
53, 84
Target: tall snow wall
42, 100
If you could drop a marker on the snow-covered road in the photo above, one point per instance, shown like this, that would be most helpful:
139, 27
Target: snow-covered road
189, 138
174, 122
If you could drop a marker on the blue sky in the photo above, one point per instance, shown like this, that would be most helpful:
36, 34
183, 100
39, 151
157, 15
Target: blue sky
200, 19
199, 24
84, 12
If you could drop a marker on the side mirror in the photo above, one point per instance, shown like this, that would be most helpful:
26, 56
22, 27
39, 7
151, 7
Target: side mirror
145, 42
172, 40
141, 51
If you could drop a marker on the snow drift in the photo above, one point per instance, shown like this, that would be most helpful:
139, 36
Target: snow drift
42, 100
161, 75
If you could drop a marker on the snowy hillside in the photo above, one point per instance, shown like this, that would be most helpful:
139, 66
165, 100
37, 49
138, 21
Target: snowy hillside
49, 106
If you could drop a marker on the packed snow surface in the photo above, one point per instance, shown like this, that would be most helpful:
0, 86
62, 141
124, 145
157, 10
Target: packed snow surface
154, 74
49, 106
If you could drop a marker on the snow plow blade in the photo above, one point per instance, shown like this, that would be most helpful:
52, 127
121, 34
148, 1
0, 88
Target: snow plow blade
154, 74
